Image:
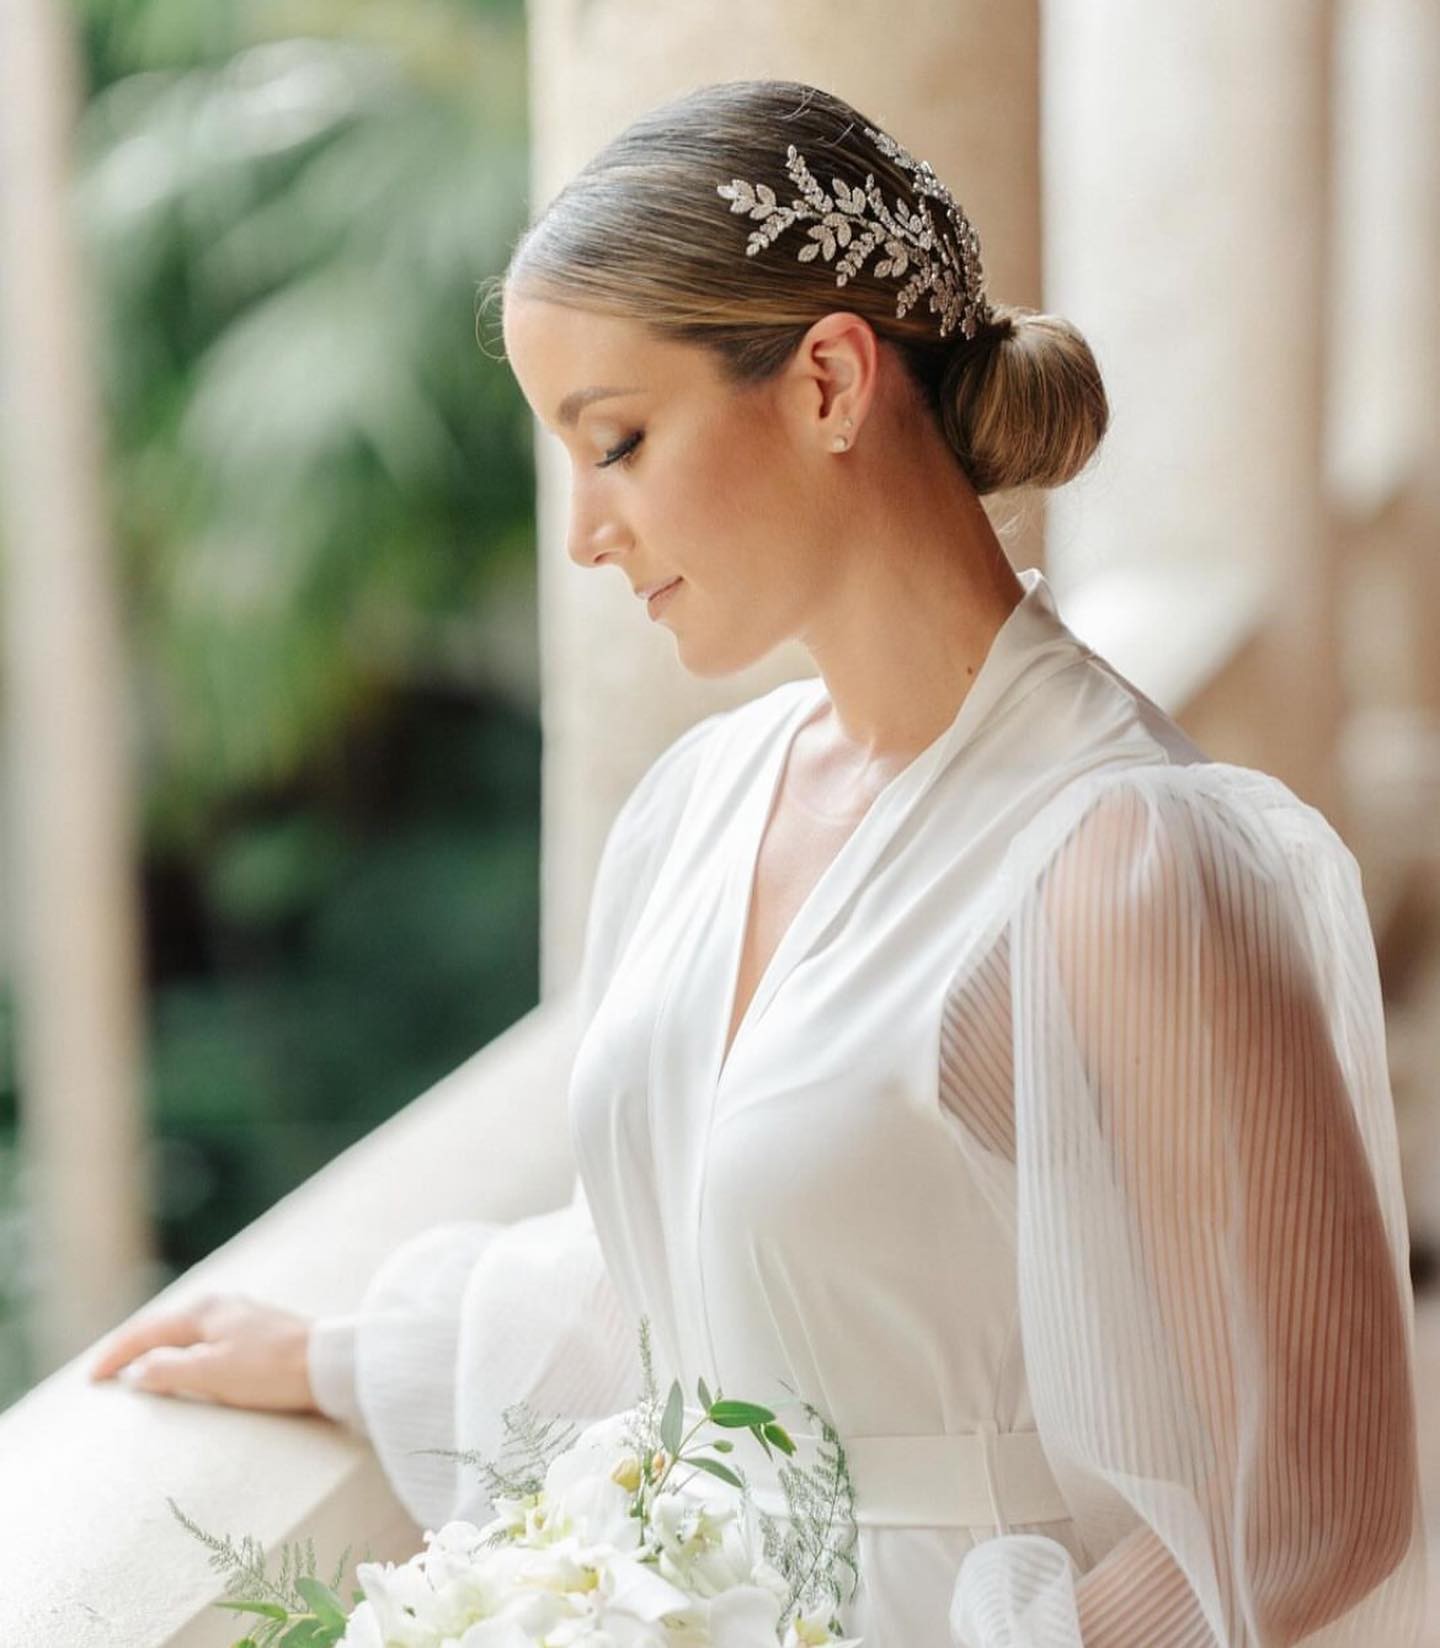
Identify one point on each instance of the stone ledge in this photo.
(93, 1557)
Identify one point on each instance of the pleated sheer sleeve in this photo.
(1169, 1068)
(470, 1316)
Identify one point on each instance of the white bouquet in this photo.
(631, 1535)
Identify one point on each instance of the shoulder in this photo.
(649, 818)
(663, 785)
(1144, 847)
(632, 850)
(653, 806)
(1209, 899)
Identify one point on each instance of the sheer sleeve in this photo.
(1212, 1256)
(468, 1317)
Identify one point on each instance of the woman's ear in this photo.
(837, 365)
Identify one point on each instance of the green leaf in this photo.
(704, 1393)
(721, 1445)
(270, 1610)
(715, 1468)
(308, 1633)
(740, 1415)
(324, 1604)
(780, 1437)
(670, 1424)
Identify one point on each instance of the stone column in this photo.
(1394, 320)
(71, 881)
(958, 85)
(1384, 436)
(1385, 425)
(1186, 214)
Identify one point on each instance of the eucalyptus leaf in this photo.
(670, 1424)
(780, 1437)
(715, 1468)
(740, 1415)
(324, 1604)
(704, 1393)
(309, 1633)
(270, 1610)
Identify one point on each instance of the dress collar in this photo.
(1029, 647)
(1031, 644)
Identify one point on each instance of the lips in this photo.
(654, 589)
(657, 602)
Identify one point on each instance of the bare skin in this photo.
(879, 559)
(222, 1348)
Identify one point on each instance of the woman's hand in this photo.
(221, 1348)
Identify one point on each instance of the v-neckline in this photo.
(753, 838)
(1031, 628)
(772, 786)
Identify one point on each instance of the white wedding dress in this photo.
(1054, 1160)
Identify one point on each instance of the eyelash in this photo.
(623, 453)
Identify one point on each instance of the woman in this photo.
(963, 1048)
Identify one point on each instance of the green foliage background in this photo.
(321, 487)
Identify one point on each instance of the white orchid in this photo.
(627, 1538)
(575, 1569)
(703, 1548)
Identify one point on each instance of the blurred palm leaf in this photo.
(290, 218)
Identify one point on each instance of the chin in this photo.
(713, 662)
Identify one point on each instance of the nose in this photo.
(594, 535)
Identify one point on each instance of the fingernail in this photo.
(133, 1373)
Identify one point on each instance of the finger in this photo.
(177, 1327)
(173, 1371)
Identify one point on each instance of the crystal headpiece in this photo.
(941, 260)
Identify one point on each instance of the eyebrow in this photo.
(577, 400)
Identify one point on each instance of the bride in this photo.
(963, 1047)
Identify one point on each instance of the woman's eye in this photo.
(621, 453)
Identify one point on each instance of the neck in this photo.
(923, 588)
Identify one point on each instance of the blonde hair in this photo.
(640, 233)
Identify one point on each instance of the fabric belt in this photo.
(985, 1478)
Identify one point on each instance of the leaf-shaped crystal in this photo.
(857, 217)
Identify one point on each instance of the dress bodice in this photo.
(1053, 1160)
(810, 1193)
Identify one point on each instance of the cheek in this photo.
(717, 502)
(735, 473)
(701, 495)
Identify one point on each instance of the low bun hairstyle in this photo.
(1026, 409)
(640, 233)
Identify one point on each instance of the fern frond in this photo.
(816, 1544)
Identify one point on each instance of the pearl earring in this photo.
(840, 442)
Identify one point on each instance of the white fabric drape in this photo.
(1169, 1070)
(1162, 1058)
(466, 1318)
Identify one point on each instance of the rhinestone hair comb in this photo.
(941, 261)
